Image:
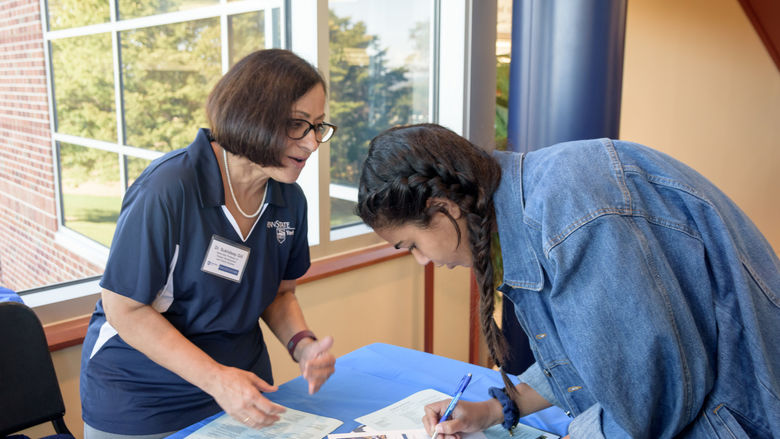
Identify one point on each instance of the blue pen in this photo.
(461, 388)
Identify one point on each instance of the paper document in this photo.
(407, 414)
(399, 434)
(293, 424)
(522, 431)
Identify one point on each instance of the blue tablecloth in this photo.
(378, 375)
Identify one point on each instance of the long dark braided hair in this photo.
(406, 166)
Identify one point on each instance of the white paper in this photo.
(396, 434)
(293, 424)
(521, 431)
(407, 414)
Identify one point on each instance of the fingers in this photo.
(318, 370)
(315, 384)
(317, 363)
(325, 343)
(432, 415)
(240, 394)
(262, 413)
(453, 428)
(318, 347)
(262, 385)
(258, 418)
(447, 430)
(268, 407)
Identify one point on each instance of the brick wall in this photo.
(28, 219)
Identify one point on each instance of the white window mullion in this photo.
(118, 105)
(224, 33)
(231, 8)
(309, 22)
(52, 114)
(283, 25)
(108, 146)
(434, 48)
(453, 51)
(268, 28)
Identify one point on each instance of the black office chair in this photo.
(29, 391)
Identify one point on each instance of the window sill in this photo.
(69, 333)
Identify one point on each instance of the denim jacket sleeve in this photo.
(588, 424)
(534, 377)
(628, 328)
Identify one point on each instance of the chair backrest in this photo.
(29, 390)
(9, 295)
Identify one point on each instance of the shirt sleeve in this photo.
(534, 377)
(628, 327)
(587, 425)
(143, 246)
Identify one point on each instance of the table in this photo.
(377, 375)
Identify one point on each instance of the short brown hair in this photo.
(250, 106)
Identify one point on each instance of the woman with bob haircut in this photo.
(651, 302)
(210, 239)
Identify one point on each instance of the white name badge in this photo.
(225, 259)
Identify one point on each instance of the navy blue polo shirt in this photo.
(168, 218)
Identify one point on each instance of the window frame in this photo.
(70, 239)
(450, 45)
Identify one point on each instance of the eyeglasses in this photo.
(299, 128)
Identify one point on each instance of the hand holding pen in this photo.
(448, 412)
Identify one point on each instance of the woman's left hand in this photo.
(317, 363)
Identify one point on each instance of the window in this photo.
(131, 84)
(381, 59)
(129, 81)
(380, 76)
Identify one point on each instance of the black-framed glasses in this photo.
(299, 128)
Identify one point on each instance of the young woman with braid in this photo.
(652, 303)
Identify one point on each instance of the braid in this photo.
(407, 166)
(480, 231)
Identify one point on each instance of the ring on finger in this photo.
(246, 420)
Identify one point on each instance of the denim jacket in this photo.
(651, 301)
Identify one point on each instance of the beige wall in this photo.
(699, 85)
(378, 303)
(382, 303)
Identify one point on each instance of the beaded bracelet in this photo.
(511, 413)
(293, 343)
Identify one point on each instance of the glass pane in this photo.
(64, 14)
(342, 213)
(84, 86)
(134, 167)
(167, 73)
(135, 8)
(247, 34)
(380, 76)
(503, 57)
(276, 31)
(91, 192)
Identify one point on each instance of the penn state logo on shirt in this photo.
(283, 229)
